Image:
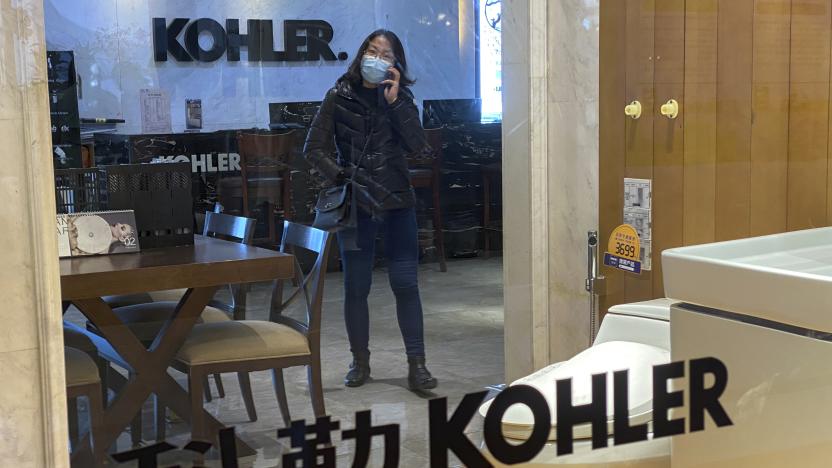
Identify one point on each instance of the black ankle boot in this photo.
(359, 372)
(418, 376)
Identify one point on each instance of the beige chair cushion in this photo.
(242, 340)
(80, 368)
(143, 298)
(145, 320)
(212, 315)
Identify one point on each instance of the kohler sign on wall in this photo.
(115, 54)
(311, 46)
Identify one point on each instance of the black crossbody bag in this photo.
(337, 206)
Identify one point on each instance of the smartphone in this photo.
(389, 75)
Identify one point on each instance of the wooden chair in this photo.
(253, 345)
(145, 319)
(490, 173)
(265, 182)
(426, 172)
(82, 380)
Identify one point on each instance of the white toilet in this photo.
(635, 337)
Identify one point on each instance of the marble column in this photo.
(572, 109)
(550, 165)
(33, 395)
(523, 353)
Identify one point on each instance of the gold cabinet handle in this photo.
(670, 109)
(633, 110)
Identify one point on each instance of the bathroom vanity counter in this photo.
(784, 278)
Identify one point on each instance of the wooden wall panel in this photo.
(770, 126)
(640, 68)
(699, 202)
(808, 114)
(733, 138)
(613, 93)
(751, 152)
(668, 134)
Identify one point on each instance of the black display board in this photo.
(299, 114)
(439, 112)
(63, 108)
(213, 156)
(467, 148)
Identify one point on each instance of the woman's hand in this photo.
(391, 90)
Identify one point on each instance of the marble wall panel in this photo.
(550, 124)
(517, 252)
(573, 59)
(33, 430)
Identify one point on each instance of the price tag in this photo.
(624, 249)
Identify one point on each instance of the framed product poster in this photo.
(638, 201)
(193, 114)
(155, 108)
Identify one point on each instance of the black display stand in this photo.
(63, 108)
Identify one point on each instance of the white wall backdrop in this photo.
(113, 45)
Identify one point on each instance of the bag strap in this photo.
(353, 206)
(361, 156)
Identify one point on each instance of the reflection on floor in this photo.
(464, 336)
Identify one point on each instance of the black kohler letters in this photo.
(448, 434)
(570, 415)
(304, 40)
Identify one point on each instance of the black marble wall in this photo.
(469, 147)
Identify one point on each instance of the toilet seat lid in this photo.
(607, 357)
(658, 309)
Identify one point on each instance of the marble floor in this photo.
(464, 336)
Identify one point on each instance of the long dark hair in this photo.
(353, 73)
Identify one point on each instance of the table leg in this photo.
(149, 366)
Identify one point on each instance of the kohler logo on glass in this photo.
(212, 162)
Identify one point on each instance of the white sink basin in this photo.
(785, 278)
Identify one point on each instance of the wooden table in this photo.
(201, 268)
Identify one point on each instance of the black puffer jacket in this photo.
(340, 132)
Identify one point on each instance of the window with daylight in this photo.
(490, 59)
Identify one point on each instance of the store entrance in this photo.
(255, 111)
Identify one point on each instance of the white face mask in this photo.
(374, 69)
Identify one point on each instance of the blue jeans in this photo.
(402, 251)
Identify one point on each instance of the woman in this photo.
(366, 125)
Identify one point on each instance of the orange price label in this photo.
(624, 243)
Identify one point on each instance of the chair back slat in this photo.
(305, 237)
(434, 139)
(310, 285)
(229, 227)
(431, 157)
(262, 151)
